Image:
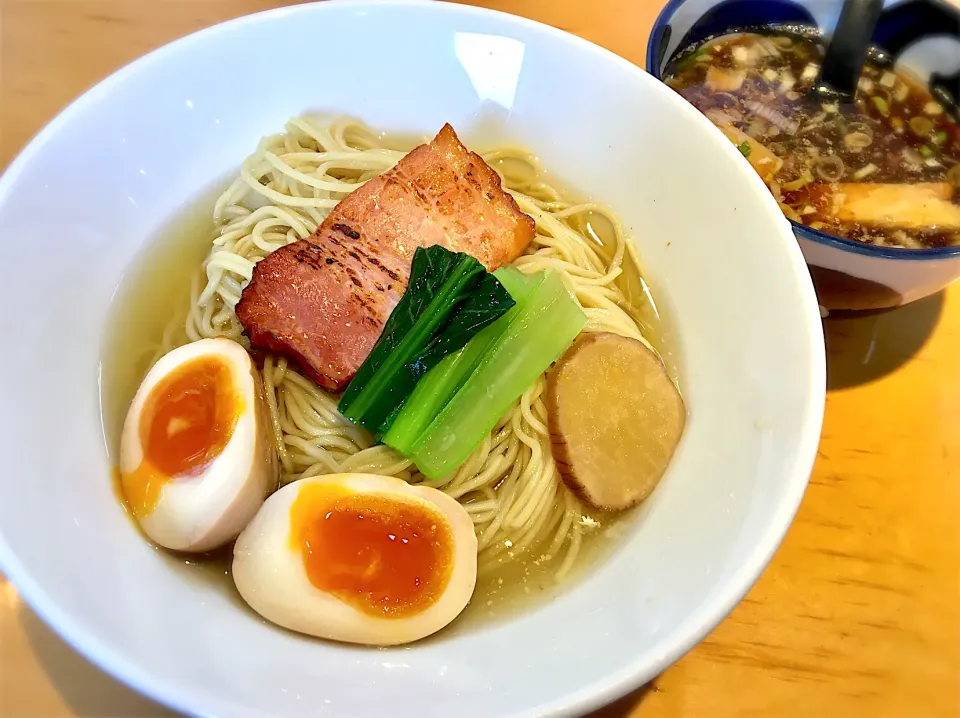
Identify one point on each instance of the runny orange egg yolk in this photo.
(185, 423)
(386, 557)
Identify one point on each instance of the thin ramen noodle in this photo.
(509, 485)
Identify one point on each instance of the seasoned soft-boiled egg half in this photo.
(358, 558)
(196, 455)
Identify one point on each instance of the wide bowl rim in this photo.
(805, 232)
(630, 676)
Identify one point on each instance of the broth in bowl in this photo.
(884, 171)
(401, 382)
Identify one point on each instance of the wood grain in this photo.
(859, 611)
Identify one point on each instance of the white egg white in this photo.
(270, 575)
(206, 510)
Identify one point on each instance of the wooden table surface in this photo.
(859, 612)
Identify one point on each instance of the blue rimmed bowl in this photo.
(924, 37)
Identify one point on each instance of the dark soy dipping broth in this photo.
(153, 298)
(828, 159)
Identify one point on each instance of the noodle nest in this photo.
(509, 486)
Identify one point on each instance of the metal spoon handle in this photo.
(848, 46)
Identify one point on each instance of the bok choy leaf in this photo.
(439, 385)
(449, 299)
(543, 326)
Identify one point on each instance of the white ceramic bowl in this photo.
(80, 202)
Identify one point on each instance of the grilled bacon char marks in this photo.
(323, 301)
